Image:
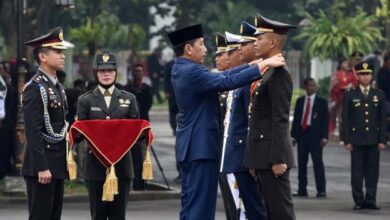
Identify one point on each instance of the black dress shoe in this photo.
(300, 194)
(372, 206)
(358, 207)
(321, 195)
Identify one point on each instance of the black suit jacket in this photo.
(39, 154)
(91, 106)
(268, 136)
(11, 109)
(144, 96)
(319, 119)
(364, 118)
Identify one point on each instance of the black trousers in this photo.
(156, 88)
(137, 155)
(277, 195)
(115, 210)
(6, 150)
(251, 196)
(364, 167)
(44, 200)
(306, 146)
(228, 201)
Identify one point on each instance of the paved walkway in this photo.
(338, 204)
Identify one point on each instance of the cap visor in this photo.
(243, 40)
(231, 49)
(106, 67)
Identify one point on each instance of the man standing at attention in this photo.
(310, 131)
(44, 107)
(269, 148)
(364, 128)
(198, 132)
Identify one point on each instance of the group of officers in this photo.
(252, 144)
(246, 141)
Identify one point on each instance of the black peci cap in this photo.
(186, 34)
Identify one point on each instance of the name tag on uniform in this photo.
(355, 100)
(52, 97)
(96, 109)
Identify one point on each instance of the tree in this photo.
(336, 36)
(225, 16)
(106, 31)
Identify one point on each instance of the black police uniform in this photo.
(364, 126)
(91, 106)
(44, 107)
(269, 141)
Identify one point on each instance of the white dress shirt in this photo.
(312, 97)
(107, 99)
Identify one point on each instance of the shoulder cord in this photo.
(51, 136)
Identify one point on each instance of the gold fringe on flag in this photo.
(71, 164)
(72, 167)
(110, 187)
(147, 171)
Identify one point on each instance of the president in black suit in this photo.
(107, 102)
(269, 148)
(310, 131)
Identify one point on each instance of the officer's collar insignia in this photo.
(375, 98)
(365, 66)
(105, 57)
(127, 101)
(121, 101)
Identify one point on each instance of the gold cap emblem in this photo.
(241, 29)
(256, 21)
(61, 35)
(105, 57)
(365, 66)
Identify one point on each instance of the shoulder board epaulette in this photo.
(90, 91)
(35, 80)
(126, 92)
